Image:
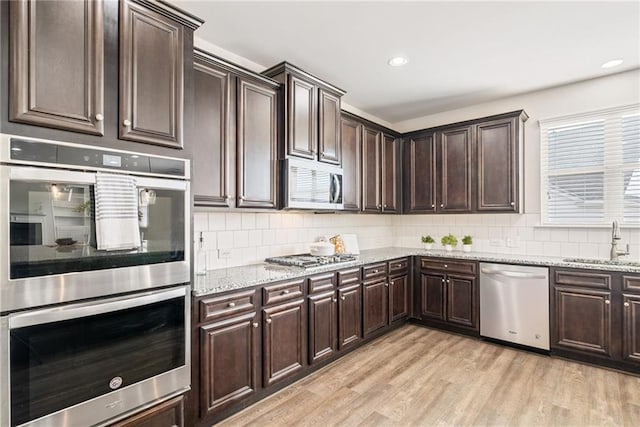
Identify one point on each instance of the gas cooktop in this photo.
(308, 261)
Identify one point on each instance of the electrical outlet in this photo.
(224, 253)
(496, 242)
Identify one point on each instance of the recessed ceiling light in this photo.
(398, 61)
(612, 63)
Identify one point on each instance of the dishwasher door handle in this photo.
(516, 274)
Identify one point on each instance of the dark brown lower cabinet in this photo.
(349, 315)
(284, 341)
(631, 327)
(461, 301)
(166, 414)
(375, 305)
(433, 295)
(322, 326)
(229, 363)
(398, 297)
(583, 320)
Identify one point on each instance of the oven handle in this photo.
(57, 314)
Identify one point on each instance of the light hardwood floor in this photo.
(416, 376)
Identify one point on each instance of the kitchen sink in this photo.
(602, 261)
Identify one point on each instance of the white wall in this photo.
(251, 237)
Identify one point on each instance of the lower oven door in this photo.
(83, 364)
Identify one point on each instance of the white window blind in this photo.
(590, 168)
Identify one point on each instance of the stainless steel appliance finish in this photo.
(40, 162)
(312, 185)
(145, 351)
(514, 304)
(308, 261)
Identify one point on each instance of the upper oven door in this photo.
(58, 260)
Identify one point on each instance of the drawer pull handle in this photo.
(374, 271)
(269, 320)
(445, 266)
(231, 304)
(285, 292)
(254, 324)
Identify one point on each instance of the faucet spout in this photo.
(615, 236)
(615, 232)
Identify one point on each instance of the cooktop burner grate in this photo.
(307, 260)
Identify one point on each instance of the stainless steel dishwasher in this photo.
(514, 304)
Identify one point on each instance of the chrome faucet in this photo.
(615, 236)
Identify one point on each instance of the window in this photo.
(590, 168)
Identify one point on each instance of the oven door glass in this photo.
(58, 364)
(57, 232)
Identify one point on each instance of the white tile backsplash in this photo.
(251, 237)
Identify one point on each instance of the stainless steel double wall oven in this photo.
(88, 335)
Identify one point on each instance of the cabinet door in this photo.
(229, 354)
(284, 341)
(301, 115)
(323, 326)
(256, 145)
(209, 137)
(583, 320)
(420, 174)
(462, 301)
(375, 305)
(398, 298)
(371, 170)
(351, 163)
(329, 128)
(166, 414)
(455, 170)
(151, 76)
(497, 176)
(390, 174)
(56, 64)
(349, 315)
(433, 295)
(631, 327)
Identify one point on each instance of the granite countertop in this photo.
(226, 279)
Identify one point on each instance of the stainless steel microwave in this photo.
(312, 185)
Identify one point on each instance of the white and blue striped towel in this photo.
(116, 198)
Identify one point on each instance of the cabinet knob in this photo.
(386, 285)
(607, 301)
(442, 205)
(322, 153)
(241, 197)
(99, 117)
(626, 304)
(254, 324)
(268, 320)
(445, 266)
(374, 271)
(442, 280)
(127, 122)
(384, 206)
(334, 300)
(231, 304)
(379, 206)
(343, 297)
(448, 281)
(512, 203)
(285, 292)
(433, 205)
(392, 283)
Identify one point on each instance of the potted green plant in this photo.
(449, 242)
(428, 242)
(467, 241)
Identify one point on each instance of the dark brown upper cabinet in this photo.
(233, 143)
(151, 76)
(257, 144)
(473, 166)
(454, 160)
(351, 139)
(380, 172)
(499, 162)
(56, 68)
(310, 115)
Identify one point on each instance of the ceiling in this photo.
(460, 53)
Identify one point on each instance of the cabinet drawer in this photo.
(282, 291)
(226, 306)
(322, 282)
(631, 283)
(583, 279)
(374, 270)
(349, 277)
(448, 265)
(398, 266)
